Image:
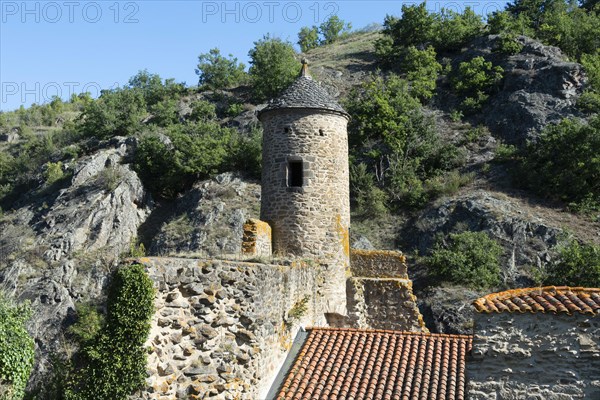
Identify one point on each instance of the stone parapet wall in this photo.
(256, 240)
(384, 304)
(223, 328)
(535, 356)
(378, 264)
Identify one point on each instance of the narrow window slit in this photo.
(295, 173)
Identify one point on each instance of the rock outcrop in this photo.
(209, 218)
(540, 87)
(58, 249)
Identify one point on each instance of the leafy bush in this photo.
(471, 259)
(192, 151)
(308, 38)
(203, 111)
(370, 201)
(422, 71)
(565, 161)
(53, 173)
(508, 44)
(453, 30)
(16, 349)
(88, 324)
(115, 362)
(476, 79)
(116, 113)
(165, 112)
(218, 72)
(274, 67)
(153, 89)
(577, 264)
(445, 31)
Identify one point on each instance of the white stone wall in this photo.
(535, 356)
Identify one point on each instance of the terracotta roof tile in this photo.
(346, 364)
(554, 299)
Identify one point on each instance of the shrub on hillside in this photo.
(422, 71)
(471, 259)
(577, 264)
(399, 146)
(564, 162)
(475, 80)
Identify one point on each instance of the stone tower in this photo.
(305, 178)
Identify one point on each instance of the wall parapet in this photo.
(378, 264)
(257, 239)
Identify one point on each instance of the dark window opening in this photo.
(321, 132)
(286, 129)
(295, 174)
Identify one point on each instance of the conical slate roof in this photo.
(304, 92)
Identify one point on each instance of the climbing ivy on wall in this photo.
(115, 362)
(16, 349)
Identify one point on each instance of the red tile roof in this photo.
(376, 364)
(554, 299)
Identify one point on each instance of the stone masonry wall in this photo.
(223, 328)
(375, 303)
(311, 220)
(256, 240)
(378, 264)
(535, 356)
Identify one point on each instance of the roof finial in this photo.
(304, 71)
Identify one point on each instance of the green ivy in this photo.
(16, 349)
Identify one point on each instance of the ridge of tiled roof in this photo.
(553, 299)
(304, 92)
(343, 363)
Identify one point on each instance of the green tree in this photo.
(16, 349)
(422, 71)
(416, 26)
(308, 38)
(471, 259)
(333, 29)
(274, 67)
(217, 72)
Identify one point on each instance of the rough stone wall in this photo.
(223, 328)
(375, 303)
(311, 220)
(378, 264)
(256, 240)
(535, 356)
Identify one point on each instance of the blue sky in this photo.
(67, 46)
